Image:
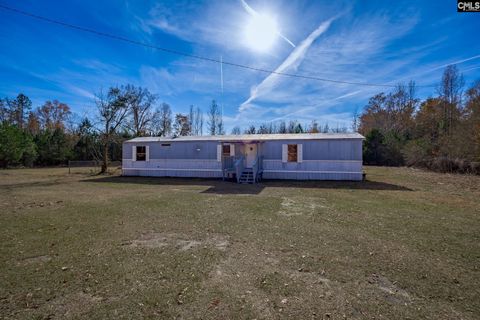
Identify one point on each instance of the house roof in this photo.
(254, 137)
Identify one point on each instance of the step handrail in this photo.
(257, 167)
(239, 167)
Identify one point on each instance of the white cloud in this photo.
(80, 91)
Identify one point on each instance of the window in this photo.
(226, 150)
(141, 153)
(292, 152)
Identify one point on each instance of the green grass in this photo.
(404, 244)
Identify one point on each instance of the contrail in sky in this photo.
(313, 107)
(293, 60)
(254, 13)
(438, 67)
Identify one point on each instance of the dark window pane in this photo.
(141, 153)
(226, 150)
(292, 153)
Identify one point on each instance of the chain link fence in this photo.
(90, 166)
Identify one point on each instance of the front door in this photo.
(250, 154)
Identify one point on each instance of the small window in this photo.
(226, 150)
(292, 152)
(166, 144)
(141, 153)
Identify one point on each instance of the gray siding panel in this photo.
(317, 149)
(311, 165)
(176, 150)
(204, 164)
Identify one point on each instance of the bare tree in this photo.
(215, 121)
(140, 103)
(220, 127)
(236, 130)
(295, 127)
(272, 128)
(251, 130)
(451, 91)
(199, 121)
(313, 127)
(181, 127)
(163, 120)
(355, 120)
(263, 129)
(266, 128)
(112, 109)
(339, 129)
(212, 118)
(282, 127)
(196, 121)
(52, 115)
(190, 118)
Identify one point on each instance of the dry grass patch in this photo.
(404, 244)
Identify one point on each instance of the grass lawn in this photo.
(403, 245)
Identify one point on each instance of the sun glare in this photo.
(261, 32)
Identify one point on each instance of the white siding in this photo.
(219, 152)
(284, 152)
(134, 153)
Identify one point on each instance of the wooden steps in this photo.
(247, 176)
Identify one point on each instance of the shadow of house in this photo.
(214, 185)
(226, 187)
(325, 184)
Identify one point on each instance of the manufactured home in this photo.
(247, 158)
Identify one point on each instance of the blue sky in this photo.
(358, 41)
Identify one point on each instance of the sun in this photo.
(261, 32)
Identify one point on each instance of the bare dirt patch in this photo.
(154, 240)
(35, 260)
(72, 305)
(38, 205)
(184, 245)
(149, 240)
(394, 293)
(300, 206)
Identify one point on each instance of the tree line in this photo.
(47, 135)
(441, 133)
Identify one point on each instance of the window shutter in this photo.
(147, 153)
(134, 153)
(284, 152)
(219, 152)
(299, 152)
(232, 150)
